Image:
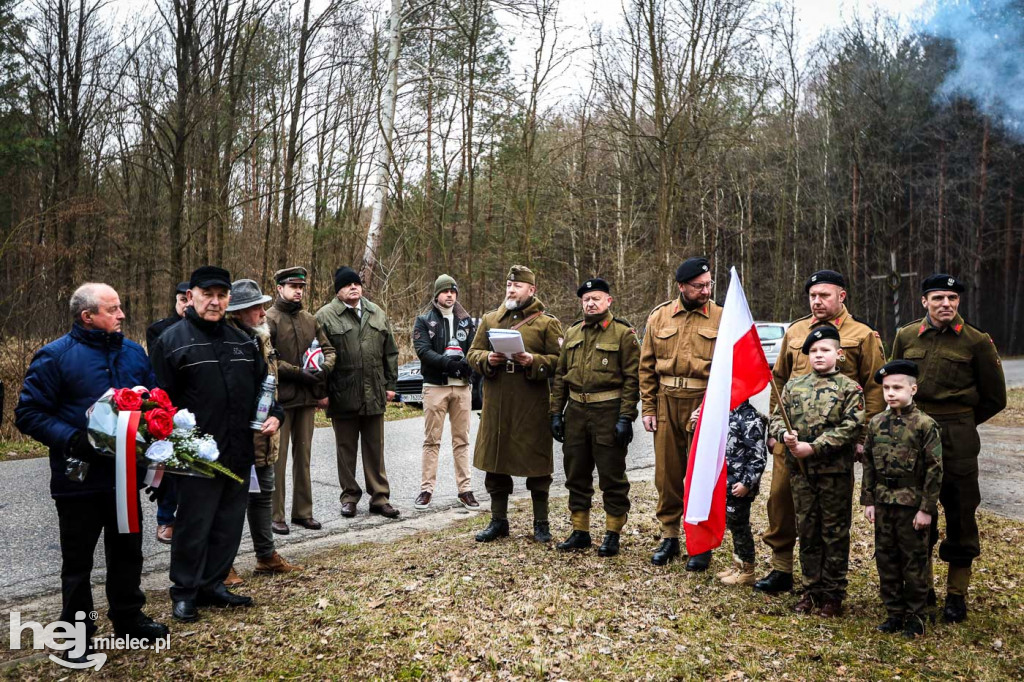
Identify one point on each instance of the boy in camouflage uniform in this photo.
(899, 491)
(745, 455)
(826, 411)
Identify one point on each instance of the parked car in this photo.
(410, 385)
(771, 334)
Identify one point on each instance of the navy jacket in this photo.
(65, 378)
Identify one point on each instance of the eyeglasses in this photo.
(707, 286)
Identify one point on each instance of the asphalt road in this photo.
(30, 550)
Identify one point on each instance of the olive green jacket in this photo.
(366, 359)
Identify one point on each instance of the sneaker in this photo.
(469, 501)
(423, 501)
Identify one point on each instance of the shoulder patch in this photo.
(575, 324)
(980, 331)
(800, 319)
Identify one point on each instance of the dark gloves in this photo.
(79, 448)
(558, 427)
(155, 494)
(623, 431)
(459, 369)
(311, 375)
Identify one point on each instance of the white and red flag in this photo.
(739, 371)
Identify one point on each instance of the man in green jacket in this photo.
(364, 379)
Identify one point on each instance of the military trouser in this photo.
(824, 509)
(737, 520)
(781, 533)
(671, 449)
(901, 555)
(499, 487)
(297, 430)
(590, 442)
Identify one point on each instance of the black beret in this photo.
(826, 331)
(596, 284)
(210, 276)
(906, 367)
(940, 281)
(344, 276)
(692, 267)
(825, 277)
(181, 288)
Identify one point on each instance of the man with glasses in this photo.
(675, 361)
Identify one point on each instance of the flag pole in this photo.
(785, 418)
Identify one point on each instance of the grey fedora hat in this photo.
(245, 293)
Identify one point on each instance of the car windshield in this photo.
(770, 332)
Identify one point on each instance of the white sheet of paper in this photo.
(506, 341)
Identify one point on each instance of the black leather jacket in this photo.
(429, 340)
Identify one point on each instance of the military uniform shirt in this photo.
(902, 460)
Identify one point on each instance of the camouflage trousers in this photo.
(737, 520)
(901, 555)
(824, 509)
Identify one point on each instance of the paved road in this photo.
(30, 551)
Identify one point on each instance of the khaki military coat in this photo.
(515, 430)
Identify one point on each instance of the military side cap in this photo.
(940, 281)
(521, 273)
(825, 277)
(209, 276)
(818, 334)
(906, 367)
(296, 275)
(595, 284)
(692, 267)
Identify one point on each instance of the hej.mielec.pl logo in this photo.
(74, 639)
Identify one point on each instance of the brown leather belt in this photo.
(597, 397)
(683, 382)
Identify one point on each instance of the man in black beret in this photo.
(675, 362)
(859, 358)
(960, 385)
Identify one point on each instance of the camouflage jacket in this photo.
(827, 411)
(745, 450)
(902, 460)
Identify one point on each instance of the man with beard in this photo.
(675, 362)
(513, 439)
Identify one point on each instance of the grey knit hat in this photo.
(444, 283)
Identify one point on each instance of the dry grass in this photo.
(440, 606)
(394, 412)
(1013, 415)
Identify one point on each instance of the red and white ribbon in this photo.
(125, 486)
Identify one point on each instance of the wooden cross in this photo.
(894, 279)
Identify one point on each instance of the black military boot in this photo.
(913, 627)
(699, 562)
(892, 625)
(955, 610)
(610, 544)
(497, 528)
(666, 552)
(775, 582)
(579, 539)
(542, 531)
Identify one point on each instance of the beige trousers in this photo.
(456, 402)
(296, 429)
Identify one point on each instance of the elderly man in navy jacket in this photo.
(65, 378)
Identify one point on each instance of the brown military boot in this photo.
(233, 578)
(275, 563)
(832, 608)
(806, 603)
(734, 567)
(744, 575)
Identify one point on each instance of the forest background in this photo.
(139, 140)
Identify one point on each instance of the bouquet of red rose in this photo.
(145, 422)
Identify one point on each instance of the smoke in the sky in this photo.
(989, 39)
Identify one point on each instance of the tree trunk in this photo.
(293, 138)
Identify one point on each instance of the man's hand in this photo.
(390, 395)
(460, 369)
(739, 490)
(270, 426)
(694, 416)
(858, 454)
(623, 431)
(323, 403)
(495, 359)
(311, 374)
(772, 442)
(80, 448)
(802, 450)
(558, 427)
(650, 423)
(790, 439)
(922, 520)
(155, 494)
(869, 513)
(524, 359)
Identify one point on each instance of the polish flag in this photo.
(739, 371)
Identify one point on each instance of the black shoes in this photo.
(221, 598)
(891, 626)
(699, 562)
(578, 540)
(955, 610)
(184, 610)
(385, 510)
(775, 582)
(666, 552)
(542, 531)
(914, 627)
(84, 658)
(141, 627)
(497, 528)
(610, 545)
